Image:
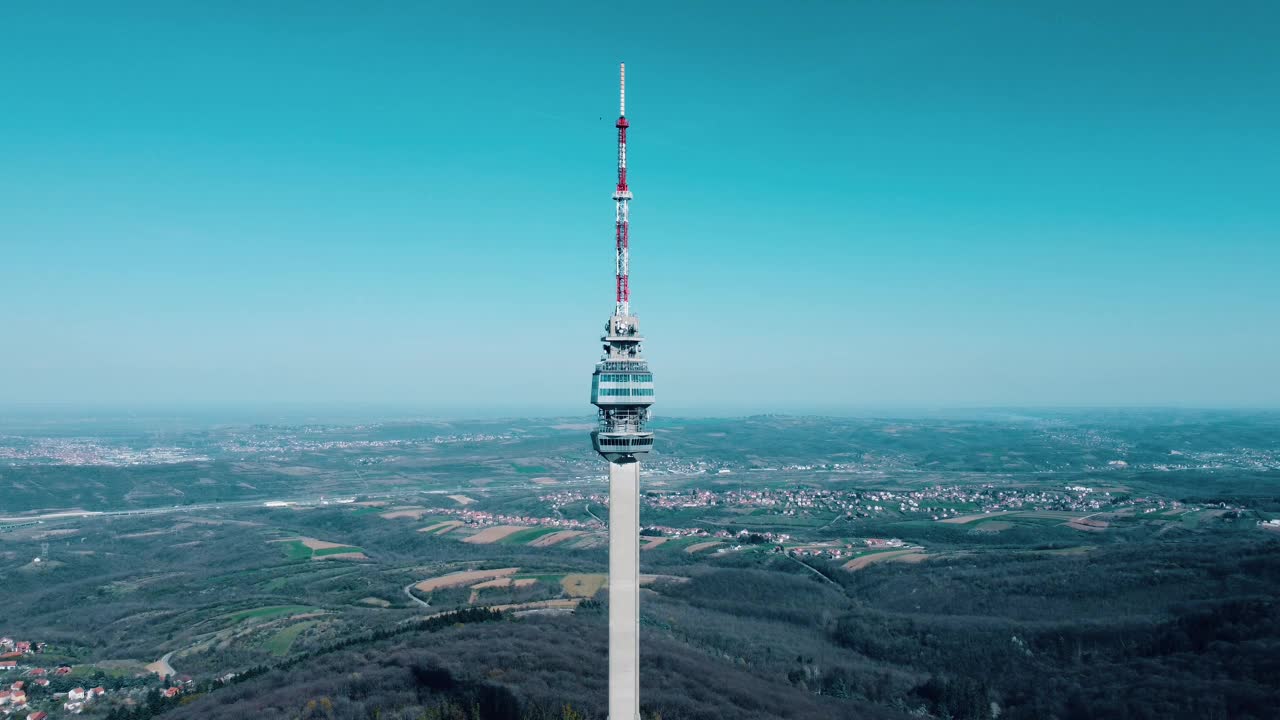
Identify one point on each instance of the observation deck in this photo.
(622, 389)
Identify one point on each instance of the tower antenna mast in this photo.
(622, 199)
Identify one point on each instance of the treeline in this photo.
(1159, 631)
(523, 669)
(156, 704)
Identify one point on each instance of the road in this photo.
(162, 667)
(809, 567)
(408, 591)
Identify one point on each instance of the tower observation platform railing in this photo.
(623, 366)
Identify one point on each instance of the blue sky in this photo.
(838, 205)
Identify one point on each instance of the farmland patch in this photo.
(466, 577)
(493, 534)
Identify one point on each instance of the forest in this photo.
(1134, 630)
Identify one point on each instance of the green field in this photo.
(750, 521)
(679, 543)
(337, 550)
(530, 469)
(550, 579)
(273, 611)
(280, 643)
(298, 550)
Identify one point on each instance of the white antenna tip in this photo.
(622, 89)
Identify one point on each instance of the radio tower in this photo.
(622, 389)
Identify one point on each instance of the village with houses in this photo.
(35, 689)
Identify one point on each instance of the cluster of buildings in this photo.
(587, 466)
(10, 648)
(66, 451)
(483, 518)
(840, 549)
(78, 698)
(15, 698)
(1239, 458)
(289, 444)
(938, 502)
(741, 536)
(559, 499)
(13, 651)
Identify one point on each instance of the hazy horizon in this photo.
(18, 414)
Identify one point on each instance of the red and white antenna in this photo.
(622, 197)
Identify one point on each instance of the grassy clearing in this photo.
(583, 584)
(900, 555)
(530, 469)
(412, 513)
(296, 550)
(649, 543)
(555, 538)
(307, 549)
(273, 611)
(1078, 550)
(337, 550)
(280, 643)
(550, 579)
(992, 526)
(1195, 518)
(121, 668)
(783, 520)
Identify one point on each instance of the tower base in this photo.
(624, 591)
